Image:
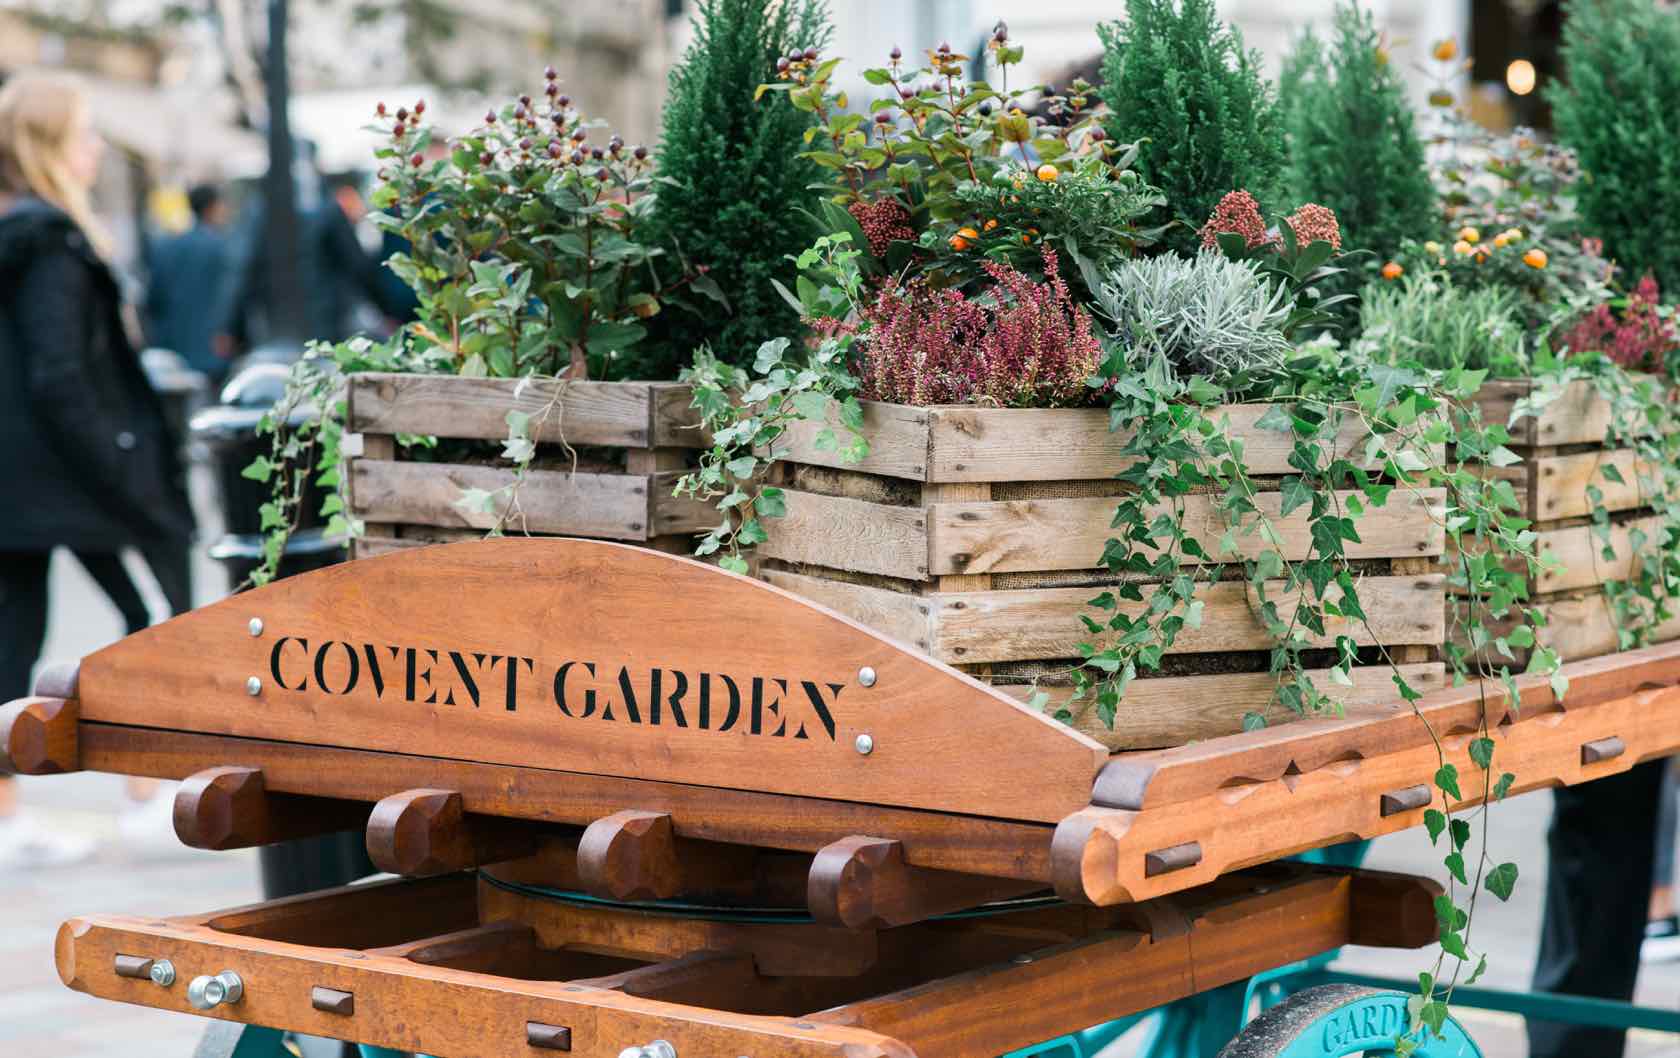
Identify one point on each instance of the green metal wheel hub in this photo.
(1343, 1021)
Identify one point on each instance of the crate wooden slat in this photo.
(976, 535)
(1564, 452)
(409, 503)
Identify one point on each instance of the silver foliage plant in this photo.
(1203, 315)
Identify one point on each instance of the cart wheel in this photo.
(1341, 1021)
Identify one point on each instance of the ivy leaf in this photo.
(1503, 786)
(1455, 864)
(1296, 493)
(751, 532)
(771, 503)
(1481, 751)
(1460, 833)
(1452, 942)
(734, 564)
(260, 469)
(742, 467)
(1502, 880)
(1434, 821)
(1253, 722)
(1433, 1015)
(1277, 418)
(1446, 777)
(1476, 975)
(1611, 473)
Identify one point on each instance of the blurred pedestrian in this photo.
(86, 456)
(334, 271)
(186, 273)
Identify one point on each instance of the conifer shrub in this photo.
(1620, 110)
(733, 191)
(1352, 144)
(1178, 78)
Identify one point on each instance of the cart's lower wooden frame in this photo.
(445, 966)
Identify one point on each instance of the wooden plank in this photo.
(1033, 623)
(1109, 974)
(970, 844)
(600, 505)
(410, 1006)
(1064, 444)
(1055, 534)
(1577, 415)
(897, 435)
(1160, 711)
(1585, 627)
(1560, 483)
(676, 422)
(897, 615)
(588, 656)
(1100, 854)
(589, 413)
(1579, 554)
(1139, 781)
(849, 534)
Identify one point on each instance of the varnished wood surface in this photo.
(1102, 854)
(969, 844)
(958, 988)
(1162, 777)
(941, 740)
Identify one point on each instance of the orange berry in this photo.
(989, 225)
(968, 233)
(1048, 173)
(1462, 248)
(958, 242)
(1470, 235)
(1446, 50)
(1392, 270)
(1026, 240)
(1535, 258)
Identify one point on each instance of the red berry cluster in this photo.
(884, 222)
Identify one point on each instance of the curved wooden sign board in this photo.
(593, 657)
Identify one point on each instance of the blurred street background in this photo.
(179, 92)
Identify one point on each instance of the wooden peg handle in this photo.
(427, 831)
(231, 808)
(630, 855)
(38, 737)
(864, 883)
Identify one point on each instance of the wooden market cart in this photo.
(645, 807)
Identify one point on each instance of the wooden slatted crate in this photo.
(975, 535)
(1564, 450)
(631, 441)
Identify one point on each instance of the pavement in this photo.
(40, 1018)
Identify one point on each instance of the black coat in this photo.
(86, 458)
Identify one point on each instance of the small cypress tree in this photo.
(733, 187)
(1352, 142)
(1620, 110)
(1175, 75)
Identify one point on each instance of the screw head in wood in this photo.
(866, 676)
(865, 744)
(256, 626)
(253, 686)
(163, 973)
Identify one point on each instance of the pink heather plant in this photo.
(1020, 344)
(1237, 213)
(1640, 339)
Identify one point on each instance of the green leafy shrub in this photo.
(1427, 319)
(1352, 143)
(1619, 111)
(731, 182)
(1203, 315)
(1177, 77)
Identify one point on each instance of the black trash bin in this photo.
(228, 433)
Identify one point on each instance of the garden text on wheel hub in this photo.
(620, 827)
(1342, 1021)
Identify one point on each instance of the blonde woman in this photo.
(86, 460)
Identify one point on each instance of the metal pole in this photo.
(285, 296)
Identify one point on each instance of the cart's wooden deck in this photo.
(567, 682)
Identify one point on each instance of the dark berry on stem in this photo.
(555, 150)
(882, 117)
(782, 65)
(602, 175)
(640, 153)
(420, 107)
(577, 157)
(810, 55)
(416, 161)
(402, 113)
(551, 73)
(896, 54)
(525, 100)
(525, 143)
(380, 110)
(1001, 32)
(397, 130)
(596, 153)
(564, 100)
(489, 117)
(552, 89)
(486, 158)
